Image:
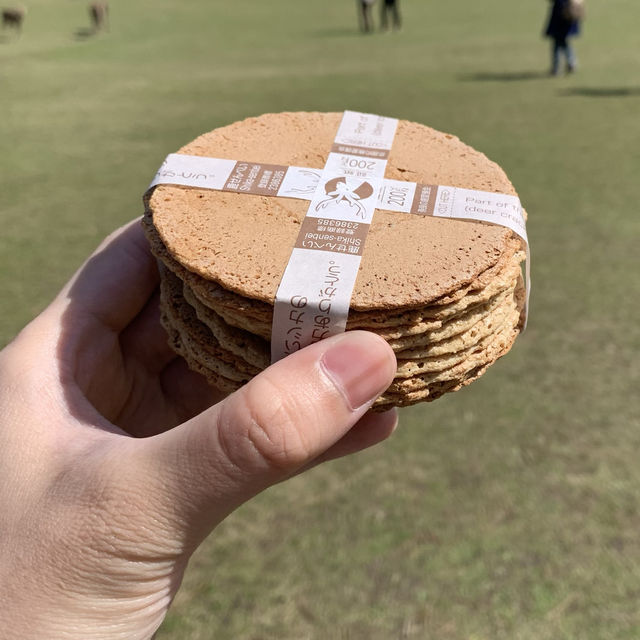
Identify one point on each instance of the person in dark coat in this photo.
(389, 7)
(560, 28)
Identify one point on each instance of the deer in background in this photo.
(99, 13)
(13, 17)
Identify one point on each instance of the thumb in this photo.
(297, 411)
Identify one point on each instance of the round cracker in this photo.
(243, 242)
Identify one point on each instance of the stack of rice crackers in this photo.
(447, 295)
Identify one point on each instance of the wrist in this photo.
(39, 606)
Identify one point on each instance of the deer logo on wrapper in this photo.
(346, 190)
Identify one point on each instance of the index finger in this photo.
(114, 284)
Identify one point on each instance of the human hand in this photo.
(114, 465)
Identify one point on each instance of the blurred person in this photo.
(99, 15)
(116, 462)
(563, 23)
(390, 7)
(364, 15)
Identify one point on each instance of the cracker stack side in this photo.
(446, 295)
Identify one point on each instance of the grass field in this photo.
(507, 511)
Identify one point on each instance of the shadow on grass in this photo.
(601, 92)
(502, 76)
(336, 32)
(84, 33)
(5, 39)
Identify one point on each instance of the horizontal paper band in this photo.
(259, 179)
(302, 183)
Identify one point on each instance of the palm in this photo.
(115, 352)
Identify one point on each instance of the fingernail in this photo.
(361, 365)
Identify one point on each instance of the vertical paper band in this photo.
(312, 301)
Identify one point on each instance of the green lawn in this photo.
(507, 511)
